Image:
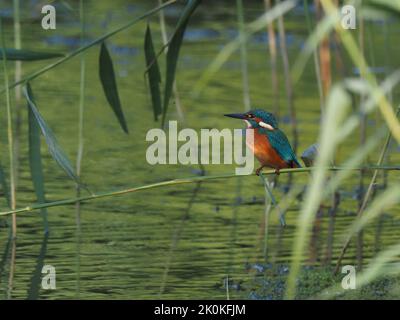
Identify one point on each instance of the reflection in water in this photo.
(36, 280)
(11, 269)
(176, 237)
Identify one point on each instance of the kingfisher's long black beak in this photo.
(236, 115)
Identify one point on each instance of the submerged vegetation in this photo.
(322, 224)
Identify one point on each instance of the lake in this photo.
(177, 242)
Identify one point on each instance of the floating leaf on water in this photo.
(35, 158)
(54, 148)
(173, 52)
(28, 55)
(107, 77)
(153, 73)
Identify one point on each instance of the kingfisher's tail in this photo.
(295, 163)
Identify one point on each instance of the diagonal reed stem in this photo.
(179, 182)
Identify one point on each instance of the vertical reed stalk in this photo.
(82, 95)
(17, 77)
(164, 36)
(273, 59)
(10, 134)
(331, 227)
(338, 51)
(243, 56)
(367, 195)
(317, 68)
(79, 157)
(288, 80)
(324, 56)
(363, 134)
(325, 76)
(388, 49)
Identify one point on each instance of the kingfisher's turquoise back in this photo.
(280, 143)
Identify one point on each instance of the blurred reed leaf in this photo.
(336, 111)
(54, 148)
(380, 9)
(67, 6)
(28, 55)
(389, 198)
(383, 264)
(322, 29)
(107, 77)
(35, 158)
(361, 86)
(360, 62)
(153, 73)
(354, 161)
(174, 47)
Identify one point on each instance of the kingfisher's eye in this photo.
(249, 115)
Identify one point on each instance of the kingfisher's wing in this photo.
(280, 143)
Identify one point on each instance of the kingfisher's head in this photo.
(257, 119)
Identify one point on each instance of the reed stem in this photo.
(243, 56)
(273, 59)
(82, 95)
(17, 77)
(180, 182)
(164, 36)
(366, 197)
(9, 134)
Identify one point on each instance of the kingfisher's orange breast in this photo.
(264, 152)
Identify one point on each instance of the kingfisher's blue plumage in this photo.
(270, 146)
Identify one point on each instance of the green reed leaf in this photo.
(107, 77)
(35, 158)
(153, 73)
(337, 106)
(174, 47)
(54, 148)
(28, 55)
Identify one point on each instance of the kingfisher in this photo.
(270, 145)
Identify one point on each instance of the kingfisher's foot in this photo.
(259, 170)
(277, 172)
